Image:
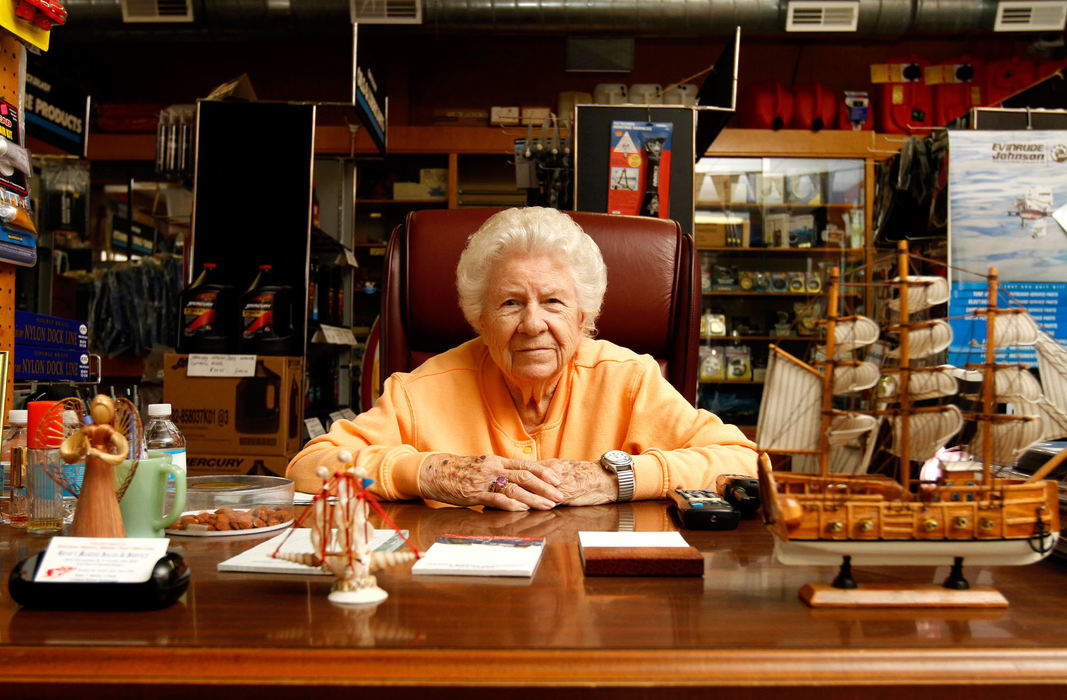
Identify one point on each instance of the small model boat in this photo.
(830, 509)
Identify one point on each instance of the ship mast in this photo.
(905, 366)
(828, 373)
(989, 380)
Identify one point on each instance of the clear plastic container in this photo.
(162, 435)
(14, 436)
(237, 491)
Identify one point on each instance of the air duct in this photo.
(889, 19)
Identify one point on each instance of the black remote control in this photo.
(703, 509)
(742, 492)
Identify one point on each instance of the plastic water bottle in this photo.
(14, 509)
(161, 435)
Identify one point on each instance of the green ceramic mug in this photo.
(142, 505)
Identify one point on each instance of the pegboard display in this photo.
(10, 58)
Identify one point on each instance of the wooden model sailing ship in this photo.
(955, 511)
(341, 535)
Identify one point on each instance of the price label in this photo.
(209, 365)
(337, 336)
(314, 427)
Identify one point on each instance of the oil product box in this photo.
(51, 364)
(235, 404)
(211, 464)
(50, 331)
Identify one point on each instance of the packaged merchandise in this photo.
(209, 314)
(267, 317)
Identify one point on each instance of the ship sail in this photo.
(929, 432)
(1015, 383)
(1052, 364)
(1053, 420)
(858, 377)
(791, 407)
(1016, 329)
(924, 291)
(929, 339)
(851, 334)
(930, 384)
(855, 437)
(1010, 438)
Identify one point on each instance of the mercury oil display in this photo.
(209, 314)
(267, 313)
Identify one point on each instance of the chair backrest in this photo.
(652, 304)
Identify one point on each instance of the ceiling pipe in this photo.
(94, 20)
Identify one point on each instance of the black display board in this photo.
(252, 192)
(592, 129)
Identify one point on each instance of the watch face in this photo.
(616, 458)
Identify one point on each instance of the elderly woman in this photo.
(533, 413)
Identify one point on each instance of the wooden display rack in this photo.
(10, 58)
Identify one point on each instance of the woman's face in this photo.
(531, 322)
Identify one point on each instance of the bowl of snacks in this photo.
(234, 504)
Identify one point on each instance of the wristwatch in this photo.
(621, 465)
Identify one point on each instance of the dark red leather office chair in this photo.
(652, 304)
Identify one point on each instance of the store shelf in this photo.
(334, 139)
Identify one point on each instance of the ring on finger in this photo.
(498, 484)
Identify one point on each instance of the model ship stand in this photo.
(341, 535)
(828, 510)
(954, 592)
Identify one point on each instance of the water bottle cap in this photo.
(17, 416)
(158, 410)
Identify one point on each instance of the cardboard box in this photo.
(51, 364)
(722, 231)
(256, 415)
(710, 235)
(212, 464)
(50, 331)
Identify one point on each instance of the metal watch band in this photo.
(626, 483)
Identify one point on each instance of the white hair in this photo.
(531, 231)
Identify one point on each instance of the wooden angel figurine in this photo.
(102, 447)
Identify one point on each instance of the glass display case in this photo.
(768, 232)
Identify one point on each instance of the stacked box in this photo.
(237, 425)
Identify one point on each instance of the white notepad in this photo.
(463, 555)
(258, 559)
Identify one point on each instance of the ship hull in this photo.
(817, 520)
(914, 552)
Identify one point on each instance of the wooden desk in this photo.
(740, 630)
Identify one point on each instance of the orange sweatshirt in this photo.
(457, 402)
